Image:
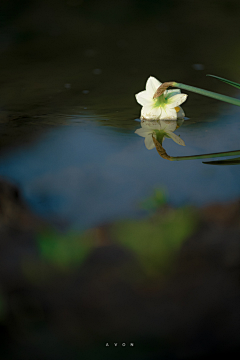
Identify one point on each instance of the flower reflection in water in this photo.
(155, 132)
(158, 130)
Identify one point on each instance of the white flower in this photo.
(160, 129)
(165, 107)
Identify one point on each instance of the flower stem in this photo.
(211, 94)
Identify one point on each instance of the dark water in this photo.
(69, 72)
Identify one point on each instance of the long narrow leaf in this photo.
(229, 82)
(205, 156)
(234, 161)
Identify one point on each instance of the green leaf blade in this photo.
(229, 82)
(234, 161)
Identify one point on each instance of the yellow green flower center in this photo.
(160, 101)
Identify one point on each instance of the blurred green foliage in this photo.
(64, 250)
(154, 240)
(157, 239)
(155, 201)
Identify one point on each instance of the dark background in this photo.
(63, 296)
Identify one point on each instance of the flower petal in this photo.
(151, 125)
(179, 122)
(143, 98)
(149, 142)
(170, 93)
(152, 85)
(150, 113)
(168, 125)
(175, 138)
(168, 114)
(180, 113)
(176, 100)
(142, 132)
